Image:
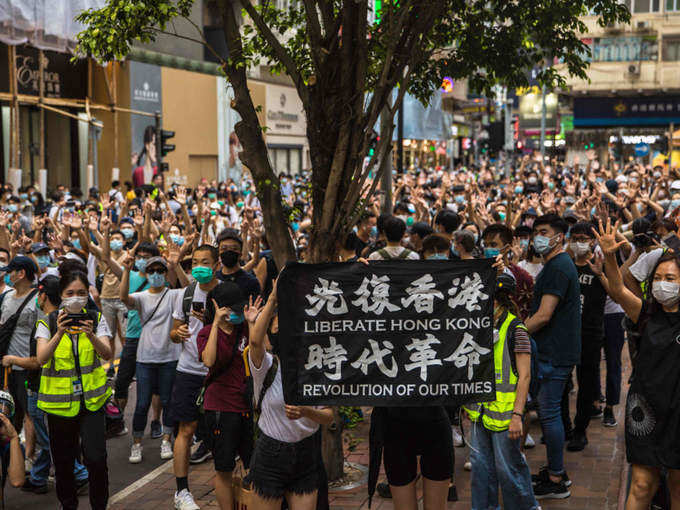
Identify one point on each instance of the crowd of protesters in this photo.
(182, 284)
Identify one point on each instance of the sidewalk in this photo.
(595, 472)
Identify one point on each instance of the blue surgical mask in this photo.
(76, 244)
(116, 245)
(141, 264)
(295, 226)
(34, 199)
(476, 237)
(502, 216)
(23, 196)
(593, 211)
(177, 239)
(438, 256)
(43, 261)
(12, 208)
(675, 203)
(491, 253)
(551, 185)
(459, 199)
(128, 233)
(519, 189)
(156, 279)
(524, 243)
(374, 231)
(542, 245)
(8, 281)
(455, 252)
(235, 318)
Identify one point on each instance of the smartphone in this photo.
(673, 242)
(77, 319)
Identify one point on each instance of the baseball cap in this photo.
(675, 186)
(38, 247)
(50, 286)
(229, 294)
(21, 262)
(157, 260)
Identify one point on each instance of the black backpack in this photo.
(7, 328)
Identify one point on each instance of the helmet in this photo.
(506, 283)
(6, 404)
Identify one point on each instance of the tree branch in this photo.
(187, 38)
(314, 32)
(279, 50)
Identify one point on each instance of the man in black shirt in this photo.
(230, 246)
(594, 288)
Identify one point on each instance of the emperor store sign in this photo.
(28, 77)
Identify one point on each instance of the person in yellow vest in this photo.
(71, 345)
(495, 456)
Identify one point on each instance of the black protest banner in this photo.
(391, 333)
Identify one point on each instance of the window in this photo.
(641, 6)
(672, 5)
(671, 48)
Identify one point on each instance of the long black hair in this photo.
(70, 277)
(149, 133)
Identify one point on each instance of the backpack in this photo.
(533, 386)
(187, 300)
(402, 256)
(7, 328)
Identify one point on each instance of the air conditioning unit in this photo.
(634, 70)
(613, 28)
(643, 26)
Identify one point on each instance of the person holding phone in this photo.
(73, 390)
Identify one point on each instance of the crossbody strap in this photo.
(268, 381)
(156, 309)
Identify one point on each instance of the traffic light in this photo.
(373, 143)
(162, 147)
(590, 145)
(166, 147)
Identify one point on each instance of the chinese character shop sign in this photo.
(392, 333)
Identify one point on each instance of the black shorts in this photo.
(404, 441)
(229, 434)
(277, 467)
(185, 391)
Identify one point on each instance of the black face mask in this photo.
(230, 258)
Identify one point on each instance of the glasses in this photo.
(156, 271)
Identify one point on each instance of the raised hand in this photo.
(252, 310)
(220, 313)
(607, 239)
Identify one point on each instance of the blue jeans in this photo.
(497, 459)
(152, 376)
(41, 466)
(552, 380)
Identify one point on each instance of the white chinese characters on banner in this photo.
(423, 355)
(377, 355)
(468, 353)
(329, 295)
(467, 293)
(422, 294)
(376, 300)
(331, 357)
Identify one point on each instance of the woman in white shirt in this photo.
(284, 462)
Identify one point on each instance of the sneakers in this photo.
(383, 490)
(608, 419)
(468, 465)
(457, 437)
(529, 442)
(551, 490)
(201, 454)
(29, 486)
(123, 432)
(28, 464)
(596, 412)
(135, 453)
(577, 443)
(156, 430)
(166, 450)
(542, 476)
(185, 501)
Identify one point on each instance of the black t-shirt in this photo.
(246, 282)
(360, 245)
(593, 299)
(559, 342)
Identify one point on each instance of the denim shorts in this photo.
(277, 467)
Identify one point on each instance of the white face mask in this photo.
(74, 304)
(579, 249)
(666, 293)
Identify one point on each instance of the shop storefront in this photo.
(286, 134)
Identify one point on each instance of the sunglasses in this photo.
(157, 271)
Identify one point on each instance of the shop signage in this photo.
(641, 150)
(394, 333)
(530, 111)
(631, 111)
(61, 77)
(284, 111)
(622, 49)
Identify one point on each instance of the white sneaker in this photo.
(529, 442)
(135, 453)
(457, 437)
(185, 501)
(468, 465)
(166, 450)
(28, 464)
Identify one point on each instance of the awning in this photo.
(161, 59)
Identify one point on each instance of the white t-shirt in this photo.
(188, 358)
(531, 268)
(42, 331)
(155, 345)
(19, 343)
(273, 420)
(394, 252)
(645, 263)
